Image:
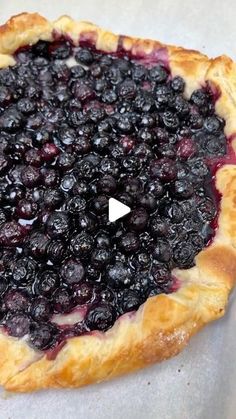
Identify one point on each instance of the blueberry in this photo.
(16, 301)
(172, 210)
(158, 73)
(33, 157)
(85, 170)
(105, 60)
(67, 136)
(163, 97)
(129, 242)
(100, 317)
(183, 255)
(207, 209)
(139, 73)
(212, 124)
(5, 96)
(164, 169)
(103, 240)
(58, 224)
(170, 120)
(83, 293)
(101, 257)
(123, 64)
(56, 250)
(4, 164)
(85, 56)
(143, 151)
(46, 283)
(12, 233)
(130, 300)
(155, 188)
(109, 167)
(100, 204)
(53, 198)
(37, 244)
(80, 187)
(107, 184)
(85, 221)
(81, 244)
(96, 70)
(146, 135)
(62, 301)
(162, 251)
(26, 209)
(23, 271)
(101, 143)
(67, 182)
(109, 96)
(199, 98)
(114, 75)
(42, 336)
(72, 271)
(127, 143)
(124, 125)
(195, 121)
(146, 240)
(119, 275)
(161, 275)
(93, 274)
(31, 176)
(14, 193)
(49, 151)
(100, 85)
(132, 185)
(17, 325)
(148, 202)
(76, 205)
(26, 106)
(178, 84)
(76, 118)
(3, 285)
(141, 260)
(182, 189)
(198, 167)
(138, 219)
(158, 227)
(60, 50)
(186, 149)
(40, 309)
(77, 72)
(65, 161)
(126, 89)
(215, 146)
(83, 92)
(11, 120)
(181, 107)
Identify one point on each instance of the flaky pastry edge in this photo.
(163, 325)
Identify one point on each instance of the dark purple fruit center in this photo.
(71, 137)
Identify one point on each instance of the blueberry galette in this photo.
(85, 116)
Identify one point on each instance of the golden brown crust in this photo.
(164, 324)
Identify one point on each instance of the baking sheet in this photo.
(200, 383)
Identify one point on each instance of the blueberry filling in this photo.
(71, 137)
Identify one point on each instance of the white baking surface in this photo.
(200, 383)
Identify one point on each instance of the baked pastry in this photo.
(86, 115)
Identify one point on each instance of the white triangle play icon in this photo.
(117, 209)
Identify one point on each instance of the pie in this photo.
(86, 115)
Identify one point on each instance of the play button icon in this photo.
(117, 210)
